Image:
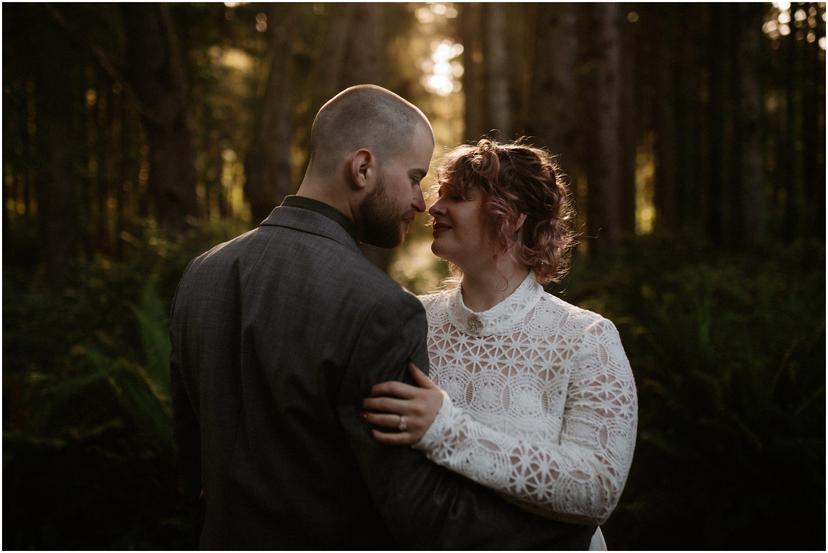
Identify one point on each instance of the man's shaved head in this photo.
(362, 116)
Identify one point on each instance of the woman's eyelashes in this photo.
(453, 197)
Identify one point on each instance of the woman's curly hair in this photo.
(518, 179)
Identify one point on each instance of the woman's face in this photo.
(460, 233)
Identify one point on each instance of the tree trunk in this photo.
(686, 86)
(267, 167)
(554, 85)
(751, 174)
(521, 38)
(56, 185)
(628, 131)
(665, 126)
(714, 127)
(604, 170)
(497, 71)
(365, 54)
(328, 68)
(813, 133)
(472, 80)
(156, 74)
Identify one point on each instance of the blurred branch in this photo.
(104, 61)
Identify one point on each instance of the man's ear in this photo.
(361, 169)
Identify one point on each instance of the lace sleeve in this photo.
(579, 479)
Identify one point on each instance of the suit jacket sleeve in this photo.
(186, 430)
(426, 506)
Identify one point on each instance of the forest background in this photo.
(136, 136)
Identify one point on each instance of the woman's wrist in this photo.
(431, 438)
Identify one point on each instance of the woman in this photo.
(531, 396)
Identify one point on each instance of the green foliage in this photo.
(727, 350)
(88, 458)
(728, 353)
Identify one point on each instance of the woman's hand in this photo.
(409, 410)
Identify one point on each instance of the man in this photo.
(279, 334)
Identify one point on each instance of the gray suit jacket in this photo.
(277, 336)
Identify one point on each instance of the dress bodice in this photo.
(542, 403)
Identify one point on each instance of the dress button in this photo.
(473, 324)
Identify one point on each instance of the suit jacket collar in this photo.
(312, 222)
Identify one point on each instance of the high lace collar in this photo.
(503, 317)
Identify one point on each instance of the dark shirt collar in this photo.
(323, 209)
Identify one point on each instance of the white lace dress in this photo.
(541, 402)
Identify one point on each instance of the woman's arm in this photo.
(578, 480)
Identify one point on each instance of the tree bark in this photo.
(365, 54)
(56, 183)
(628, 133)
(267, 167)
(521, 39)
(326, 79)
(156, 74)
(554, 84)
(604, 170)
(751, 173)
(665, 144)
(813, 134)
(472, 80)
(498, 103)
(686, 86)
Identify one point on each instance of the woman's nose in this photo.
(436, 209)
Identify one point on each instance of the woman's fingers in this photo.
(382, 419)
(393, 401)
(394, 389)
(420, 378)
(394, 438)
(388, 405)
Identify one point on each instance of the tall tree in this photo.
(267, 166)
(687, 75)
(630, 127)
(365, 51)
(663, 27)
(554, 88)
(156, 73)
(57, 100)
(813, 121)
(497, 70)
(751, 178)
(472, 79)
(604, 119)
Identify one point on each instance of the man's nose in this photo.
(419, 201)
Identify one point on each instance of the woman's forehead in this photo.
(454, 184)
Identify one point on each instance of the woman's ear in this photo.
(520, 221)
(518, 225)
(361, 168)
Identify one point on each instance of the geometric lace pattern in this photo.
(541, 403)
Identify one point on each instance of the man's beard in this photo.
(379, 221)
